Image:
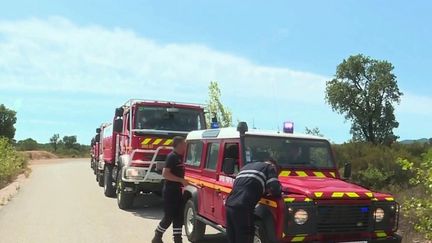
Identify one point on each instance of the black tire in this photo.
(194, 228)
(109, 188)
(100, 178)
(124, 200)
(260, 233)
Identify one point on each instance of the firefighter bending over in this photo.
(254, 180)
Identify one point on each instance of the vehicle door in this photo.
(224, 182)
(209, 177)
(194, 161)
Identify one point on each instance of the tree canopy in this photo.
(365, 90)
(216, 108)
(7, 122)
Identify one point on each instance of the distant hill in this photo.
(411, 141)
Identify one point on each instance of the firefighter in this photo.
(252, 182)
(172, 192)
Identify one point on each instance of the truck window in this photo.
(194, 152)
(212, 156)
(169, 119)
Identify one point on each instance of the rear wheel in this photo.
(124, 200)
(260, 233)
(100, 178)
(109, 188)
(194, 228)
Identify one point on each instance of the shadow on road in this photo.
(151, 207)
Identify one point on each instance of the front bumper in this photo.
(389, 239)
(339, 238)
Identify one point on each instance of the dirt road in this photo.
(61, 202)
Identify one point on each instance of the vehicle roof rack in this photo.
(131, 102)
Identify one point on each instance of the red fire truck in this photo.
(101, 131)
(317, 205)
(134, 152)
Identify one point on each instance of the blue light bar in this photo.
(288, 127)
(214, 125)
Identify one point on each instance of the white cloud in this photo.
(412, 104)
(55, 54)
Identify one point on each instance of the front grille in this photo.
(343, 218)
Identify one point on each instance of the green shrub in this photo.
(374, 166)
(419, 209)
(11, 162)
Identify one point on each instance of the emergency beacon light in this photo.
(288, 127)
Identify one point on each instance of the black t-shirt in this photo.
(175, 164)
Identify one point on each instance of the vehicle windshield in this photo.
(289, 152)
(169, 119)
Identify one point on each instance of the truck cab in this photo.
(141, 138)
(317, 204)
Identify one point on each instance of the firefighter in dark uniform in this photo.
(172, 193)
(254, 180)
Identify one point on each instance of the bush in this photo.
(419, 209)
(375, 166)
(11, 162)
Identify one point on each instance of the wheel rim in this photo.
(119, 192)
(256, 237)
(190, 217)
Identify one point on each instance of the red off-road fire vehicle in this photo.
(134, 151)
(317, 205)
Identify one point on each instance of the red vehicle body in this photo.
(97, 149)
(134, 150)
(317, 204)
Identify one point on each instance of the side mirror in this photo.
(118, 125)
(97, 138)
(229, 166)
(119, 112)
(347, 170)
(98, 130)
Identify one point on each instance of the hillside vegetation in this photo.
(404, 170)
(12, 163)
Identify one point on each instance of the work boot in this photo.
(178, 239)
(157, 238)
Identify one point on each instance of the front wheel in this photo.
(260, 233)
(194, 228)
(109, 189)
(124, 200)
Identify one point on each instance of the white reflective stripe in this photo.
(180, 229)
(271, 180)
(160, 229)
(254, 172)
(253, 176)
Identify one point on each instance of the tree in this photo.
(314, 131)
(70, 141)
(7, 122)
(216, 108)
(54, 141)
(28, 144)
(365, 91)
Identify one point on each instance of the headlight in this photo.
(133, 172)
(379, 215)
(300, 216)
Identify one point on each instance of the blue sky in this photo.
(65, 66)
